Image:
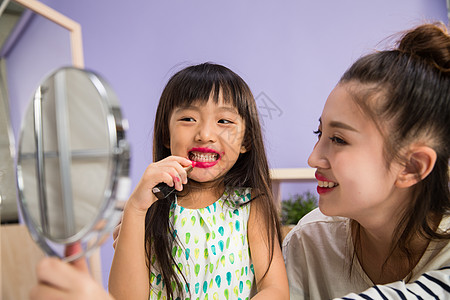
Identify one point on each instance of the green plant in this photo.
(294, 208)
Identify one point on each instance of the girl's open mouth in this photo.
(204, 157)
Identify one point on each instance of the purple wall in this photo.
(291, 53)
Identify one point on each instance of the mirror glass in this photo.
(72, 161)
(8, 197)
(10, 14)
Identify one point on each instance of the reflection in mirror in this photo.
(8, 203)
(10, 14)
(72, 162)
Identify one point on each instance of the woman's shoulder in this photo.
(315, 224)
(316, 216)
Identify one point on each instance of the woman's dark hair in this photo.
(406, 92)
(199, 83)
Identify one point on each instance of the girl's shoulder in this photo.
(444, 225)
(237, 196)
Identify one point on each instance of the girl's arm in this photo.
(275, 284)
(129, 275)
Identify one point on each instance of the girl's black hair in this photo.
(199, 83)
(406, 92)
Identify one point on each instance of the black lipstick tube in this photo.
(162, 190)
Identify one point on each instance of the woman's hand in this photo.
(60, 280)
(169, 170)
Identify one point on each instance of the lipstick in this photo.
(324, 185)
(202, 163)
(162, 190)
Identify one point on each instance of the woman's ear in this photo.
(243, 149)
(420, 162)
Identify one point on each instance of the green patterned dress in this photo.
(214, 255)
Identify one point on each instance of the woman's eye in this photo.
(318, 132)
(337, 140)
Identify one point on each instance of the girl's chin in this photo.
(206, 177)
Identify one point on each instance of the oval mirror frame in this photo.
(72, 162)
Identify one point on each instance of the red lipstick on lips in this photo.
(204, 164)
(323, 190)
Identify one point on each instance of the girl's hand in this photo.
(170, 170)
(116, 233)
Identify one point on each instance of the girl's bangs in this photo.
(200, 91)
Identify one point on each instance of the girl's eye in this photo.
(337, 140)
(318, 132)
(224, 121)
(187, 119)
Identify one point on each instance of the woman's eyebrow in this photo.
(337, 124)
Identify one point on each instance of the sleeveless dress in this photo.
(212, 252)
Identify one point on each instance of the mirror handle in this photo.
(39, 143)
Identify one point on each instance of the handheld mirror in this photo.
(72, 162)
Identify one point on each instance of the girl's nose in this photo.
(206, 133)
(318, 158)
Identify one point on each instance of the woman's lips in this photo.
(204, 157)
(324, 185)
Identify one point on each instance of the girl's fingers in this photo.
(116, 234)
(183, 161)
(168, 178)
(181, 177)
(169, 170)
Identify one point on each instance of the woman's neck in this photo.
(383, 263)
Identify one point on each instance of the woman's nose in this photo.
(318, 158)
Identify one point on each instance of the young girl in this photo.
(382, 170)
(220, 230)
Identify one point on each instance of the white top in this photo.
(317, 253)
(214, 254)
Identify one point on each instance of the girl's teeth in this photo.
(203, 157)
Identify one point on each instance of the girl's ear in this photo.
(420, 163)
(167, 144)
(246, 145)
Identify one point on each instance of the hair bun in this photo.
(430, 42)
